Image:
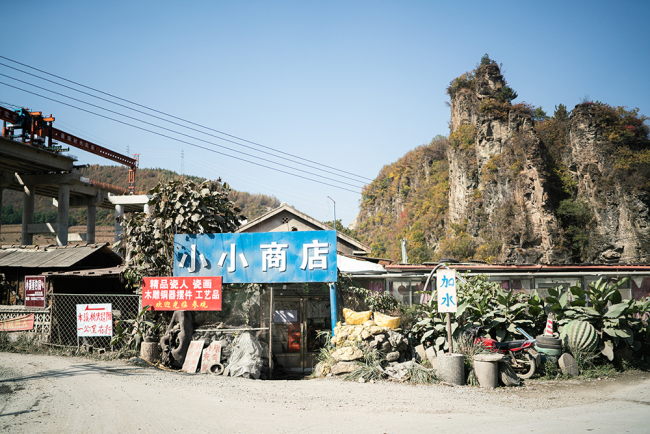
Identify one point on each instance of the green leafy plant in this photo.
(377, 301)
(619, 324)
(129, 333)
(481, 303)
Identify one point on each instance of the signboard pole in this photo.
(271, 334)
(334, 308)
(451, 341)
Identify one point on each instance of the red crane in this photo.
(36, 130)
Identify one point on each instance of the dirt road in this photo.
(63, 394)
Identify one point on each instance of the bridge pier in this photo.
(90, 224)
(63, 216)
(29, 197)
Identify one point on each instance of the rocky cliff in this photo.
(611, 176)
(497, 177)
(520, 186)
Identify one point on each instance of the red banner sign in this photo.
(34, 291)
(182, 293)
(25, 322)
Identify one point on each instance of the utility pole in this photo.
(334, 213)
(182, 163)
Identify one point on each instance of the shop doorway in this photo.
(297, 325)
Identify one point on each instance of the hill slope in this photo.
(252, 205)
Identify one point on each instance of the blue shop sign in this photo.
(258, 257)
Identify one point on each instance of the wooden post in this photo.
(451, 341)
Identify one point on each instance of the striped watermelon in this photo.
(579, 335)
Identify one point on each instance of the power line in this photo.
(182, 141)
(236, 177)
(149, 114)
(169, 129)
(169, 115)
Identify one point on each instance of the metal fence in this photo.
(64, 316)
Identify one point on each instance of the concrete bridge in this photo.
(37, 171)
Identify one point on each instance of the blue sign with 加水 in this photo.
(446, 288)
(258, 257)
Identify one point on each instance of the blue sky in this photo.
(352, 85)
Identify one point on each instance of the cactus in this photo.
(580, 335)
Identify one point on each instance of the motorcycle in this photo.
(523, 358)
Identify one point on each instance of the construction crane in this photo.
(36, 130)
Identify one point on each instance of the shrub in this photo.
(497, 108)
(523, 108)
(463, 137)
(465, 81)
(490, 250)
(621, 126)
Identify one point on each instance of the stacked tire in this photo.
(550, 346)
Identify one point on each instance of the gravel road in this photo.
(67, 394)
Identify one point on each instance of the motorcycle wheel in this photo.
(528, 368)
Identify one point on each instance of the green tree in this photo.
(540, 114)
(575, 216)
(561, 113)
(175, 207)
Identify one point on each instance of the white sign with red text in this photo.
(94, 319)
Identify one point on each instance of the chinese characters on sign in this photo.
(34, 291)
(182, 293)
(446, 288)
(192, 357)
(95, 319)
(24, 322)
(260, 257)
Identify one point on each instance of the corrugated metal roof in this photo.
(51, 257)
(98, 272)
